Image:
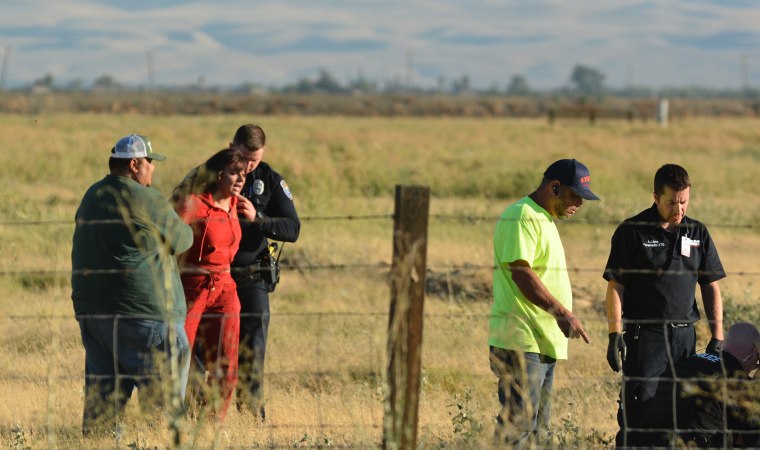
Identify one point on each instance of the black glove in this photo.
(616, 351)
(714, 346)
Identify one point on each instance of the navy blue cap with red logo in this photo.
(573, 174)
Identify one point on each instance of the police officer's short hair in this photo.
(672, 176)
(250, 136)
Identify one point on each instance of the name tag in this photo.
(685, 246)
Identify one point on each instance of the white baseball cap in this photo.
(135, 146)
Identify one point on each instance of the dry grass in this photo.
(326, 357)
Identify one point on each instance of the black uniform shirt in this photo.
(660, 282)
(276, 214)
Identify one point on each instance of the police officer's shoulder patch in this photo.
(286, 189)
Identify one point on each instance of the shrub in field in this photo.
(569, 435)
(466, 426)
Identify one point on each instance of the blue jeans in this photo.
(525, 390)
(183, 359)
(120, 355)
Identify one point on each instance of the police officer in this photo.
(711, 393)
(267, 209)
(656, 260)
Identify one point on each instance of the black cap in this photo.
(573, 174)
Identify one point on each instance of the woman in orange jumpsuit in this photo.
(213, 308)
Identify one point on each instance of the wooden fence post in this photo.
(405, 321)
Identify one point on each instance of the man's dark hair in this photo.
(672, 176)
(250, 136)
(118, 165)
(218, 162)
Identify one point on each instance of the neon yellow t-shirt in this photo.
(526, 231)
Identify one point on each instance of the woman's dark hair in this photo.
(218, 162)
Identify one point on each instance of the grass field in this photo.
(326, 358)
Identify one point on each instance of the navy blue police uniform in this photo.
(659, 270)
(710, 395)
(276, 219)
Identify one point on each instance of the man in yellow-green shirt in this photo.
(531, 318)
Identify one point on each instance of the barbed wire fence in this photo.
(323, 321)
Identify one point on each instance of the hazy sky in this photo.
(228, 42)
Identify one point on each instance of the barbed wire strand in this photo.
(323, 425)
(472, 219)
(378, 266)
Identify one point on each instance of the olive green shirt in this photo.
(123, 256)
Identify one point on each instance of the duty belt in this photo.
(679, 325)
(655, 324)
(254, 272)
(634, 327)
(267, 270)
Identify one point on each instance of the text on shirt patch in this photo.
(652, 243)
(710, 357)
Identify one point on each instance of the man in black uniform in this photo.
(715, 404)
(267, 209)
(656, 260)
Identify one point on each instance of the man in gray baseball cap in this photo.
(132, 157)
(135, 146)
(125, 284)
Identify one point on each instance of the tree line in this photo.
(584, 82)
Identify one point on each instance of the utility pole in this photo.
(151, 73)
(743, 67)
(409, 70)
(4, 72)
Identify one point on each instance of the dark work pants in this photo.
(651, 352)
(254, 323)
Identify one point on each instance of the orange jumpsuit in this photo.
(213, 308)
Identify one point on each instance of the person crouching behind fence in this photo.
(125, 284)
(716, 404)
(213, 307)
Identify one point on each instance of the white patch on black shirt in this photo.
(286, 189)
